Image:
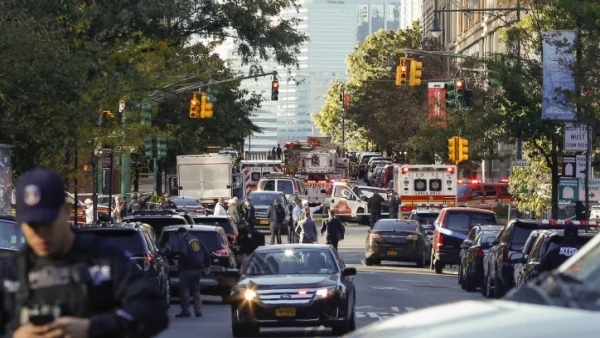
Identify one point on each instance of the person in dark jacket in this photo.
(276, 216)
(167, 203)
(289, 220)
(249, 214)
(569, 246)
(194, 260)
(92, 288)
(395, 206)
(374, 206)
(335, 229)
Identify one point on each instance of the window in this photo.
(394, 225)
(211, 239)
(11, 236)
(291, 262)
(477, 192)
(268, 185)
(285, 186)
(463, 190)
(519, 237)
(420, 185)
(490, 191)
(426, 218)
(435, 185)
(158, 224)
(222, 222)
(130, 241)
(463, 221)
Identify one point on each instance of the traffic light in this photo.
(453, 149)
(87, 167)
(463, 149)
(275, 90)
(206, 107)
(415, 73)
(450, 94)
(161, 147)
(148, 147)
(194, 107)
(402, 73)
(146, 113)
(468, 98)
(460, 91)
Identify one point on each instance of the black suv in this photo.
(220, 281)
(158, 219)
(138, 241)
(262, 201)
(224, 222)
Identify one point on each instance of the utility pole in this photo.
(110, 182)
(519, 139)
(588, 152)
(126, 156)
(75, 181)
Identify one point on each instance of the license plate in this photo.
(264, 221)
(285, 312)
(392, 253)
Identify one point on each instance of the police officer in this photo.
(167, 203)
(335, 229)
(194, 260)
(568, 247)
(374, 206)
(395, 206)
(67, 284)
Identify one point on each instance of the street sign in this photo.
(568, 190)
(106, 156)
(573, 189)
(520, 163)
(576, 137)
(569, 166)
(580, 166)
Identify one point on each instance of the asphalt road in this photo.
(382, 291)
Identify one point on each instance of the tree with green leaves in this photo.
(82, 57)
(520, 73)
(397, 118)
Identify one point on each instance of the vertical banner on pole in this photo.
(6, 179)
(436, 95)
(558, 61)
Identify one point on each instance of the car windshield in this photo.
(130, 241)
(11, 236)
(296, 261)
(394, 225)
(462, 190)
(488, 236)
(426, 218)
(158, 223)
(285, 186)
(185, 201)
(210, 239)
(464, 221)
(224, 223)
(262, 200)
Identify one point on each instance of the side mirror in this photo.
(350, 271)
(485, 245)
(232, 273)
(516, 257)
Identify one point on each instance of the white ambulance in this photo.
(425, 183)
(253, 170)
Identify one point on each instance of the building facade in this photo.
(474, 34)
(334, 27)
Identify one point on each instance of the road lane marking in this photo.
(388, 288)
(409, 309)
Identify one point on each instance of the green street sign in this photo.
(568, 190)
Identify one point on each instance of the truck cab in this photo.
(351, 201)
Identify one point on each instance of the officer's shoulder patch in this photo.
(195, 244)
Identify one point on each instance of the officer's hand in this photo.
(34, 331)
(72, 326)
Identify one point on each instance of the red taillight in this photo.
(148, 260)
(374, 236)
(412, 237)
(479, 252)
(221, 252)
(439, 239)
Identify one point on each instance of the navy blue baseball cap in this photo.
(40, 196)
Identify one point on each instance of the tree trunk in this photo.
(555, 178)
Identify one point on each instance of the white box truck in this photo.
(207, 177)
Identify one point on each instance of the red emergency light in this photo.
(451, 170)
(404, 170)
(504, 180)
(469, 181)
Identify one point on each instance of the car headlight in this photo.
(324, 293)
(250, 295)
